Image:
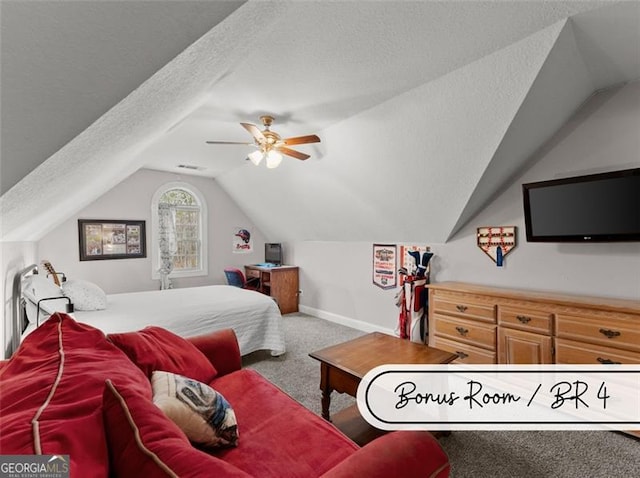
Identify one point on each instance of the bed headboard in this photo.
(19, 315)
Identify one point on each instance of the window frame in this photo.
(155, 249)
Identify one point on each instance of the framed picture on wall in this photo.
(111, 239)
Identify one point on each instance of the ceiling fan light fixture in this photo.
(256, 157)
(273, 159)
(271, 146)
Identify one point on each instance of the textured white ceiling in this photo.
(64, 64)
(429, 103)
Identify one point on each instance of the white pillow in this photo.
(85, 295)
(36, 288)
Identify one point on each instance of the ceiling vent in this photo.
(191, 167)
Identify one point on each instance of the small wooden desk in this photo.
(280, 282)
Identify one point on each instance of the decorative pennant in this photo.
(497, 242)
(384, 265)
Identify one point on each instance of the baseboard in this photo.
(346, 321)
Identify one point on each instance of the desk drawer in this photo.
(251, 273)
(467, 331)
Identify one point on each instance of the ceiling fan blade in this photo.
(293, 153)
(229, 142)
(311, 138)
(255, 132)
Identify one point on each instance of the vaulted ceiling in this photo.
(425, 109)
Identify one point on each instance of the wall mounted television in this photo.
(273, 253)
(601, 207)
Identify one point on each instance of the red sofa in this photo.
(69, 390)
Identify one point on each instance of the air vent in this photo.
(190, 166)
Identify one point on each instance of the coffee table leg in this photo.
(326, 403)
(325, 386)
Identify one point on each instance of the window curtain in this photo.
(168, 242)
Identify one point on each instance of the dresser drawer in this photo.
(466, 353)
(568, 351)
(465, 309)
(467, 331)
(525, 319)
(608, 331)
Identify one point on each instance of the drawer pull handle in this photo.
(607, 361)
(461, 355)
(461, 308)
(462, 330)
(523, 318)
(610, 333)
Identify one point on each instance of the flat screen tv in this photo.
(273, 253)
(594, 208)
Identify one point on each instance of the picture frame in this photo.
(101, 239)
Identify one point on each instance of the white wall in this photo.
(604, 135)
(131, 199)
(14, 256)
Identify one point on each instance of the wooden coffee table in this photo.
(342, 366)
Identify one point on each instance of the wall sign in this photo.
(242, 242)
(384, 265)
(497, 242)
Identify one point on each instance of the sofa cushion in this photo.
(155, 348)
(56, 378)
(200, 411)
(279, 436)
(144, 442)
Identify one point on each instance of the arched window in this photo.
(189, 238)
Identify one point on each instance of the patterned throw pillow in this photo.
(202, 413)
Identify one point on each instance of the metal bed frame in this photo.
(19, 314)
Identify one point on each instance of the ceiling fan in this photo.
(271, 146)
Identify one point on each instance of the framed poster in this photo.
(384, 265)
(111, 239)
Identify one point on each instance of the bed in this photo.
(254, 317)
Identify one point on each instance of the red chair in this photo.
(236, 278)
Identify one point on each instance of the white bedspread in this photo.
(254, 317)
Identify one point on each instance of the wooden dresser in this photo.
(484, 324)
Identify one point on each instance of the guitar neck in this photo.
(47, 265)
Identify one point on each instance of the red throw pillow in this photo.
(51, 394)
(144, 442)
(155, 348)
